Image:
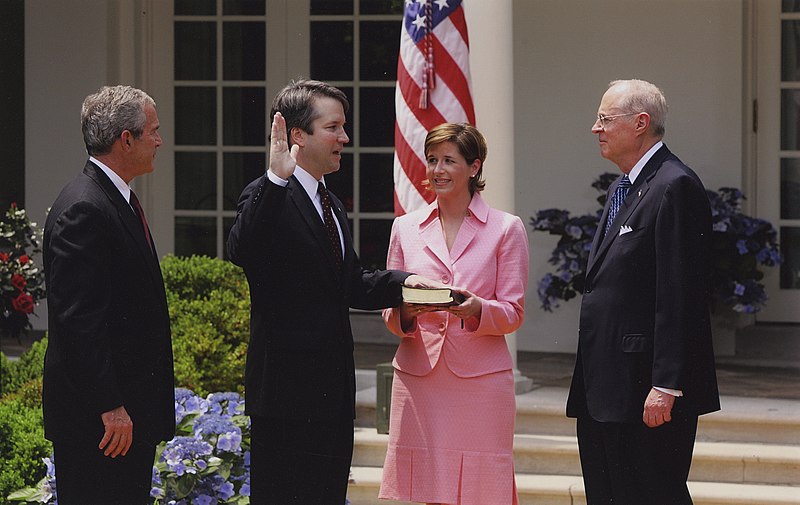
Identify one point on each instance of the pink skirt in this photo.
(451, 439)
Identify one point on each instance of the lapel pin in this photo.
(640, 193)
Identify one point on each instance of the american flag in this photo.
(433, 87)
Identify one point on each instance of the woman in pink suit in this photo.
(452, 416)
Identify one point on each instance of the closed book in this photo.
(432, 296)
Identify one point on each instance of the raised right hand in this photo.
(281, 160)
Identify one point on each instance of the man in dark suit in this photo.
(292, 239)
(108, 393)
(645, 365)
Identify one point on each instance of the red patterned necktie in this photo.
(330, 225)
(137, 207)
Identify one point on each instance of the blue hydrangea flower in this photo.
(738, 289)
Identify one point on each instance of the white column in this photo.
(490, 26)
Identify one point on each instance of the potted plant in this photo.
(741, 247)
(21, 281)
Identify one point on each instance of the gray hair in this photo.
(643, 96)
(109, 112)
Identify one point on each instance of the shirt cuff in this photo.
(673, 392)
(276, 180)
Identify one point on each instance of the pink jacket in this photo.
(489, 258)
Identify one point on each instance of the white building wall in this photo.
(66, 54)
(565, 53)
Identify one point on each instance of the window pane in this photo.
(243, 49)
(341, 183)
(12, 98)
(195, 51)
(195, 235)
(332, 57)
(195, 7)
(382, 7)
(195, 116)
(377, 117)
(790, 50)
(376, 182)
(227, 224)
(243, 116)
(791, 6)
(375, 242)
(195, 181)
(239, 170)
(790, 188)
(790, 119)
(331, 7)
(790, 249)
(243, 7)
(379, 44)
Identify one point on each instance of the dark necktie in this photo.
(330, 225)
(616, 200)
(137, 208)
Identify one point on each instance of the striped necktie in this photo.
(616, 200)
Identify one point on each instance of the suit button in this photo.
(588, 290)
(442, 326)
(445, 279)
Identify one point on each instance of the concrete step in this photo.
(568, 490)
(748, 420)
(724, 462)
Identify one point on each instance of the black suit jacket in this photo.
(109, 335)
(300, 357)
(644, 315)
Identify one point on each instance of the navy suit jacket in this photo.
(109, 335)
(644, 315)
(300, 356)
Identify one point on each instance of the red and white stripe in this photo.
(449, 100)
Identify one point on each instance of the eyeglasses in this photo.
(603, 118)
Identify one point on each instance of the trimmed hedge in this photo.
(22, 442)
(209, 308)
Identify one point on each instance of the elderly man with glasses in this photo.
(645, 365)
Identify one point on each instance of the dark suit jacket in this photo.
(644, 316)
(300, 357)
(109, 335)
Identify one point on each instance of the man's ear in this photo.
(126, 139)
(642, 122)
(298, 137)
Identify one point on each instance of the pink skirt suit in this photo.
(452, 415)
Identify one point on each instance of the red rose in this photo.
(24, 259)
(18, 281)
(13, 205)
(3, 257)
(23, 303)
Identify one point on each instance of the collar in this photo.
(637, 168)
(477, 207)
(123, 188)
(308, 181)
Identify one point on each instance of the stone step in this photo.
(568, 490)
(724, 462)
(748, 420)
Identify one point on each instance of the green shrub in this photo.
(209, 304)
(22, 446)
(15, 374)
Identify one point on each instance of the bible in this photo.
(432, 296)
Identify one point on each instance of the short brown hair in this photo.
(296, 103)
(470, 143)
